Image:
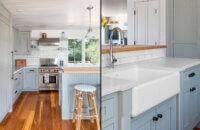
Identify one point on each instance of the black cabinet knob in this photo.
(159, 115)
(191, 75)
(192, 89)
(155, 118)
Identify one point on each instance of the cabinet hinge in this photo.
(134, 12)
(156, 11)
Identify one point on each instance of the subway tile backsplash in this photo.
(133, 56)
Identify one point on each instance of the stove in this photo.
(49, 74)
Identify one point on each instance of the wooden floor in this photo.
(39, 111)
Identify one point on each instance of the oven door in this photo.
(52, 84)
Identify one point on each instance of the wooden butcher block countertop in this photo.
(80, 70)
(106, 49)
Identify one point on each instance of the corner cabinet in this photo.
(31, 79)
(161, 117)
(189, 98)
(109, 112)
(21, 42)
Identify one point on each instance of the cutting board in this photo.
(20, 62)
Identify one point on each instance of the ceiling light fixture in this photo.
(90, 34)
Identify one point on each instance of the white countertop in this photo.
(111, 85)
(19, 68)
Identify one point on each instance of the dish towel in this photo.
(46, 78)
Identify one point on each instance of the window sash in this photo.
(83, 55)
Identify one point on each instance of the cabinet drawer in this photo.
(190, 79)
(107, 111)
(15, 95)
(31, 70)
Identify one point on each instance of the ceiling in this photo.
(53, 13)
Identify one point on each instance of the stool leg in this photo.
(90, 107)
(95, 110)
(80, 101)
(75, 106)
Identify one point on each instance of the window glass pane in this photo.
(92, 51)
(74, 51)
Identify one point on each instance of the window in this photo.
(74, 51)
(92, 51)
(83, 51)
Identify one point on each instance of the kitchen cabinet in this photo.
(190, 98)
(109, 112)
(21, 42)
(5, 49)
(31, 79)
(18, 85)
(160, 117)
(149, 22)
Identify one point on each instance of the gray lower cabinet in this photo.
(161, 117)
(18, 85)
(189, 98)
(31, 79)
(109, 112)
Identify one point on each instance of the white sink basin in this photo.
(151, 86)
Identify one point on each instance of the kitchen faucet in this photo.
(122, 43)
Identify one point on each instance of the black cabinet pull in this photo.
(15, 92)
(159, 115)
(155, 118)
(31, 70)
(192, 89)
(16, 78)
(191, 75)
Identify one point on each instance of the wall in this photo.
(133, 56)
(53, 52)
(5, 62)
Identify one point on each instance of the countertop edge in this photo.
(105, 49)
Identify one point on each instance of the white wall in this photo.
(53, 52)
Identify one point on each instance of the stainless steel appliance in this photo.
(49, 42)
(49, 74)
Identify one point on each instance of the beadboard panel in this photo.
(68, 91)
(5, 45)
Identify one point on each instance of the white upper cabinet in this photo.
(149, 22)
(21, 41)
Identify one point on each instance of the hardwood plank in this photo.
(39, 111)
(106, 49)
(29, 121)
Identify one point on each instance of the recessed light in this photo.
(20, 10)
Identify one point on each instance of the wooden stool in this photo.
(80, 91)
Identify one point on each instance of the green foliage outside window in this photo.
(92, 51)
(74, 51)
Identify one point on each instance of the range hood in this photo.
(49, 42)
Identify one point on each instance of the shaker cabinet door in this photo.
(145, 122)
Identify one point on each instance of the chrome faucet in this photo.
(113, 60)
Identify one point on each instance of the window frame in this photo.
(83, 63)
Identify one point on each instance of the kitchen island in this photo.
(68, 78)
(125, 90)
